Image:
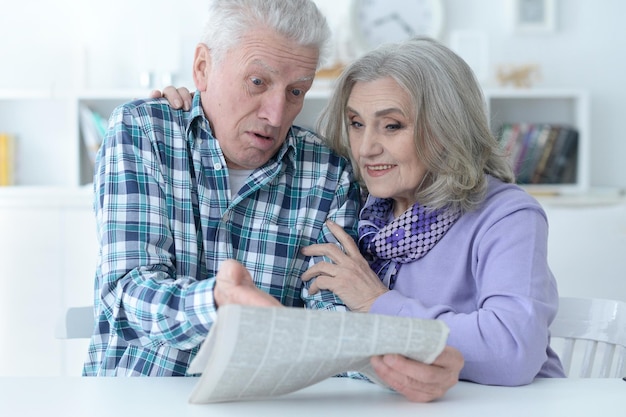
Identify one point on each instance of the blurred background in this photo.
(65, 44)
(57, 55)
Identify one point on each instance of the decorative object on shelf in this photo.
(534, 16)
(375, 22)
(330, 72)
(519, 76)
(7, 159)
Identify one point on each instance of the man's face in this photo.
(252, 96)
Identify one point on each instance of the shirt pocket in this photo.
(272, 251)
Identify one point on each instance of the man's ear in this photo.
(201, 66)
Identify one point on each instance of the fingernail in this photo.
(389, 359)
(178, 103)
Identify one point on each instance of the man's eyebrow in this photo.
(306, 79)
(265, 65)
(273, 70)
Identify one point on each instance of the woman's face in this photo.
(381, 121)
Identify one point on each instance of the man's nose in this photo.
(273, 108)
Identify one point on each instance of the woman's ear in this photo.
(201, 66)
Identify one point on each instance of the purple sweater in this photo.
(488, 279)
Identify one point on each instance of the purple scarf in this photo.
(405, 239)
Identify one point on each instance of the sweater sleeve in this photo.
(501, 296)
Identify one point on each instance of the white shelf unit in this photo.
(103, 103)
(43, 125)
(556, 107)
(52, 153)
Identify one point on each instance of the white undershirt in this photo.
(238, 178)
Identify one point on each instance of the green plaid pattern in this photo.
(167, 218)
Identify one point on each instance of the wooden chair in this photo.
(590, 337)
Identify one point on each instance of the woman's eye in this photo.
(394, 126)
(355, 124)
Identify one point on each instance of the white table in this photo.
(154, 397)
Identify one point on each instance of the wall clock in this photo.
(374, 22)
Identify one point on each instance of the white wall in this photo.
(107, 44)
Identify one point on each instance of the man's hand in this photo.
(417, 381)
(234, 285)
(176, 97)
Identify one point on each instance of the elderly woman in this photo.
(444, 232)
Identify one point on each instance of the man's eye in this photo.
(297, 92)
(256, 81)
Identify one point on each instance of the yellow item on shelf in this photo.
(7, 159)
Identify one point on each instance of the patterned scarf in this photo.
(405, 239)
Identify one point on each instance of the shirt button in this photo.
(217, 166)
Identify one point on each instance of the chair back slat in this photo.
(592, 337)
(620, 361)
(607, 360)
(591, 347)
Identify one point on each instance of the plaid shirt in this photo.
(167, 219)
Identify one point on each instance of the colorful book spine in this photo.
(7, 159)
(541, 153)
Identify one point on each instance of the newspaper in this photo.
(258, 352)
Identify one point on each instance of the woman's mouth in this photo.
(378, 170)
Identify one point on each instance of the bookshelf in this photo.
(51, 151)
(102, 103)
(568, 108)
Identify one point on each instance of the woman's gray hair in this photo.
(452, 134)
(298, 20)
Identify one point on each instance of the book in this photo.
(259, 352)
(526, 155)
(544, 161)
(93, 129)
(541, 133)
(518, 150)
(506, 137)
(7, 159)
(564, 153)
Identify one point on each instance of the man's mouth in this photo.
(258, 135)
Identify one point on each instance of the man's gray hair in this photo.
(298, 20)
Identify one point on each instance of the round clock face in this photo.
(375, 22)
